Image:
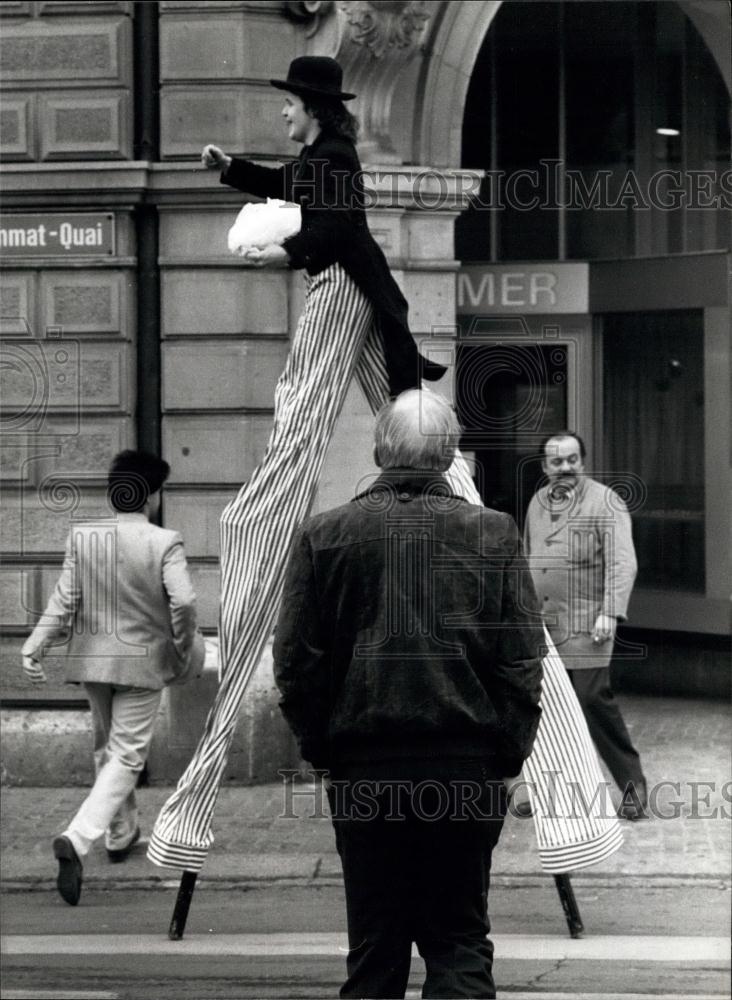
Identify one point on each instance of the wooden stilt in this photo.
(569, 905)
(182, 905)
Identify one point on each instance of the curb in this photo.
(219, 883)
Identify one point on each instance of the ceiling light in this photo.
(667, 131)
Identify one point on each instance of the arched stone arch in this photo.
(453, 47)
(715, 30)
(410, 62)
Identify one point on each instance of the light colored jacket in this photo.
(124, 603)
(582, 560)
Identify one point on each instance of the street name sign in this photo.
(57, 234)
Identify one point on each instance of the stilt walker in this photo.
(354, 323)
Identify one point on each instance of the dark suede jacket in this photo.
(409, 629)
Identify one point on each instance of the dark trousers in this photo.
(416, 856)
(607, 726)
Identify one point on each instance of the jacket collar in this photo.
(307, 151)
(574, 496)
(557, 514)
(412, 481)
(323, 136)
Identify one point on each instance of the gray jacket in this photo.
(124, 603)
(582, 561)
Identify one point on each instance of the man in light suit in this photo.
(579, 545)
(126, 606)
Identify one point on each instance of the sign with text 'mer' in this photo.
(508, 289)
(57, 234)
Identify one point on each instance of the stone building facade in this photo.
(132, 325)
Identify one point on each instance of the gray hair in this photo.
(417, 430)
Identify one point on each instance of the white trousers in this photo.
(123, 720)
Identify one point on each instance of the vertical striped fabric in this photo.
(576, 824)
(336, 338)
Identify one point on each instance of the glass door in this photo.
(653, 403)
(518, 381)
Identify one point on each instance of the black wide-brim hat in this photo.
(317, 76)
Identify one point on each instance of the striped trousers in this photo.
(336, 338)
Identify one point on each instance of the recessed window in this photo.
(653, 423)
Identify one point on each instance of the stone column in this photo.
(413, 220)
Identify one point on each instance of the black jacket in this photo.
(326, 181)
(409, 629)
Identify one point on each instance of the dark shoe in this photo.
(121, 854)
(70, 870)
(635, 802)
(523, 809)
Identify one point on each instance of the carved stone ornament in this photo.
(308, 12)
(382, 25)
(375, 41)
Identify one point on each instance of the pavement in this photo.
(282, 832)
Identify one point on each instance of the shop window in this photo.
(603, 114)
(527, 84)
(600, 126)
(653, 423)
(510, 125)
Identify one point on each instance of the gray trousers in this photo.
(123, 720)
(606, 724)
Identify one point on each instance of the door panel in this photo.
(517, 381)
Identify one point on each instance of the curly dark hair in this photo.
(133, 476)
(333, 117)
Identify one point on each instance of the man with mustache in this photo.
(579, 545)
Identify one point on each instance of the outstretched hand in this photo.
(215, 158)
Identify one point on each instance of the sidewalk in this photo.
(270, 832)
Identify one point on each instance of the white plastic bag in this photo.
(259, 226)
